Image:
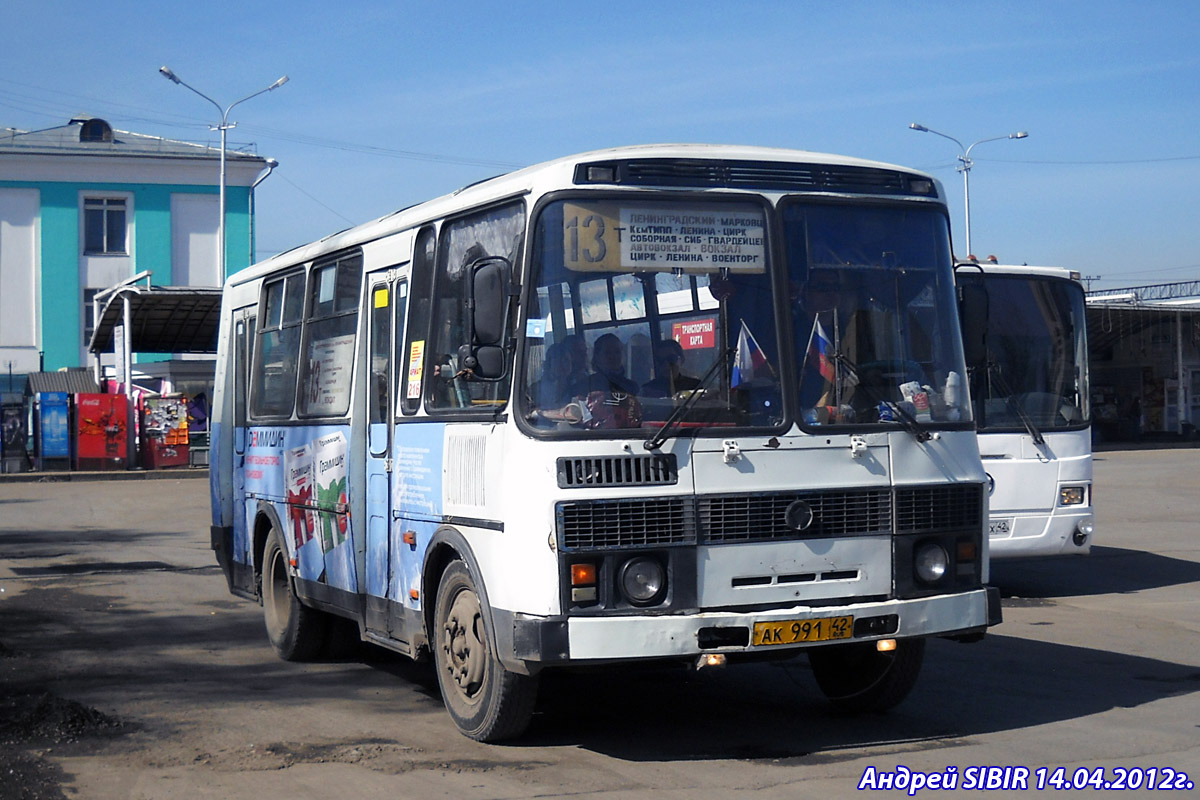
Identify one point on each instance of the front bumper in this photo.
(551, 641)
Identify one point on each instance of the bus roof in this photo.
(556, 173)
(1020, 269)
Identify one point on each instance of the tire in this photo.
(486, 702)
(856, 677)
(297, 633)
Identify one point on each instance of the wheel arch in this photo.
(266, 519)
(448, 545)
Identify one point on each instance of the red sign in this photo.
(695, 335)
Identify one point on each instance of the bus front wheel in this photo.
(487, 702)
(296, 632)
(858, 677)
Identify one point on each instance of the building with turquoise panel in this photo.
(84, 207)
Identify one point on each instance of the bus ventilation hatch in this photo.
(761, 175)
(656, 469)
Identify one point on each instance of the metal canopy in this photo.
(163, 319)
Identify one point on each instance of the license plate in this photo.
(796, 631)
(1000, 527)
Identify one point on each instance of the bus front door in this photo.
(386, 306)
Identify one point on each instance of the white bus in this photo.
(1029, 386)
(690, 403)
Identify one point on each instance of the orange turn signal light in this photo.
(967, 551)
(410, 538)
(583, 574)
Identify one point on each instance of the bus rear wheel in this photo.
(487, 702)
(297, 633)
(857, 677)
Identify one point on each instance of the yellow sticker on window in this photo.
(381, 297)
(416, 367)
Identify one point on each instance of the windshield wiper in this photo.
(1010, 399)
(672, 422)
(910, 423)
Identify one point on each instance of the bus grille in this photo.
(744, 518)
(656, 469)
(724, 519)
(922, 509)
(627, 523)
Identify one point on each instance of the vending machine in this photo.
(52, 430)
(164, 432)
(101, 427)
(13, 455)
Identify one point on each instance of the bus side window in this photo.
(494, 232)
(411, 362)
(273, 375)
(329, 337)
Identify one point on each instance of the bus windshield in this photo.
(639, 306)
(876, 329)
(1036, 354)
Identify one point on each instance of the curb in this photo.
(114, 475)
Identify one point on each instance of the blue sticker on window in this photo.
(535, 329)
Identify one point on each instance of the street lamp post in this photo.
(223, 128)
(964, 166)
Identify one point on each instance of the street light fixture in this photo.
(223, 127)
(964, 165)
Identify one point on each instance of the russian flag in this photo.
(749, 362)
(819, 370)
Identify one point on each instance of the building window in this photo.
(104, 226)
(89, 315)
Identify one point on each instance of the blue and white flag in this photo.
(749, 362)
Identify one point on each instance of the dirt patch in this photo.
(24, 776)
(28, 723)
(48, 719)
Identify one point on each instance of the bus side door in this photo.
(387, 304)
(244, 321)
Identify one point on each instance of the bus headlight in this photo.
(1071, 495)
(642, 580)
(930, 562)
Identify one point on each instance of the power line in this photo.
(315, 200)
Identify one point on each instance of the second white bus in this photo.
(1032, 407)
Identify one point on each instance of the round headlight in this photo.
(1085, 526)
(931, 562)
(642, 580)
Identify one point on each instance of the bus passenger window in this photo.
(329, 337)
(273, 375)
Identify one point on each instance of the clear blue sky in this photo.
(391, 103)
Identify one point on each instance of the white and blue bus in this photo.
(683, 402)
(1029, 386)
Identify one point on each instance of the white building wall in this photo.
(19, 271)
(194, 222)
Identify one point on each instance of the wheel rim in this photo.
(275, 592)
(464, 645)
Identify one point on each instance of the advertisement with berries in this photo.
(303, 472)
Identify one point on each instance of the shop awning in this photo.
(163, 319)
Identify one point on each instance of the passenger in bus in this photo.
(576, 349)
(608, 359)
(554, 388)
(668, 376)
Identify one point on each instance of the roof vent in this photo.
(95, 130)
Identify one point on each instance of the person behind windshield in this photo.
(554, 388)
(577, 380)
(608, 359)
(668, 375)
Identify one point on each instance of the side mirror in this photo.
(973, 317)
(489, 287)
